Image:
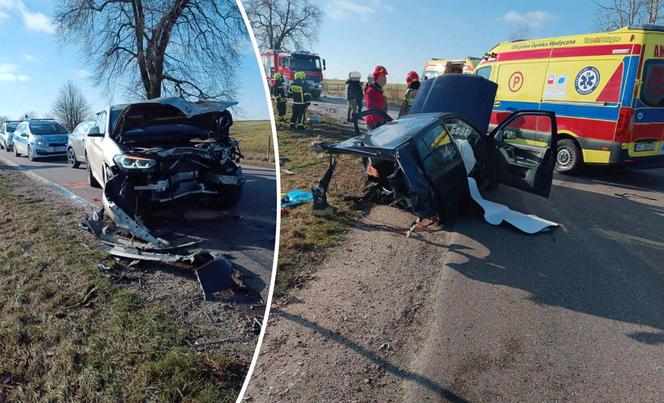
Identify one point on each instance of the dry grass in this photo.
(393, 92)
(304, 237)
(255, 141)
(68, 332)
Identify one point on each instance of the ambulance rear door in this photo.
(647, 136)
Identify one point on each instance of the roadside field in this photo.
(78, 326)
(337, 88)
(255, 141)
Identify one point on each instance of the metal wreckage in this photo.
(438, 157)
(156, 152)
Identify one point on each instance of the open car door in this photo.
(522, 151)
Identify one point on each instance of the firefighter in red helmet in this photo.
(375, 99)
(413, 81)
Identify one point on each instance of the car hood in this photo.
(52, 138)
(168, 110)
(467, 96)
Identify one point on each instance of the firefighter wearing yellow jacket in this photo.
(299, 92)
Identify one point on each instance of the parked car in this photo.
(39, 138)
(7, 134)
(153, 152)
(422, 161)
(76, 143)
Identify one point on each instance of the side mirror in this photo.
(94, 132)
(324, 64)
(24, 135)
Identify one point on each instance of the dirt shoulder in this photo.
(351, 332)
(78, 326)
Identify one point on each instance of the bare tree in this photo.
(71, 107)
(188, 48)
(614, 14)
(280, 24)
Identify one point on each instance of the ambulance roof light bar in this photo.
(647, 27)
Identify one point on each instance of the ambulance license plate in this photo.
(644, 147)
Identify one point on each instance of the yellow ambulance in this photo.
(436, 67)
(607, 90)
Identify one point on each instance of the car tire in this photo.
(9, 149)
(91, 179)
(568, 156)
(230, 196)
(2, 145)
(16, 154)
(71, 158)
(30, 156)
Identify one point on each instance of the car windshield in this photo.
(11, 127)
(305, 63)
(394, 133)
(115, 114)
(652, 89)
(46, 128)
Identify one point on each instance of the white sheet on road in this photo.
(496, 213)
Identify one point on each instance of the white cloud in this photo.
(29, 57)
(356, 9)
(8, 73)
(3, 16)
(32, 20)
(83, 73)
(532, 19)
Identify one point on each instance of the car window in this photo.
(461, 130)
(101, 122)
(652, 87)
(46, 128)
(11, 127)
(484, 72)
(436, 150)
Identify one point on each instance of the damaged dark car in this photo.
(425, 161)
(150, 153)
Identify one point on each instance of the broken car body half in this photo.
(149, 153)
(422, 161)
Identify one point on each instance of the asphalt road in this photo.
(247, 232)
(575, 314)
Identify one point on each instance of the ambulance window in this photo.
(652, 89)
(484, 72)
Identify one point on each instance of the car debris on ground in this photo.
(436, 159)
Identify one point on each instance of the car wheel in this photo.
(16, 151)
(71, 158)
(9, 149)
(230, 196)
(91, 179)
(2, 145)
(568, 156)
(30, 156)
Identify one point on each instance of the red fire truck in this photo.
(288, 63)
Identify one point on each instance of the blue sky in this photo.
(403, 34)
(34, 65)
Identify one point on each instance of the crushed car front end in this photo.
(170, 149)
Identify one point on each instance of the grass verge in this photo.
(304, 237)
(68, 332)
(255, 141)
(393, 92)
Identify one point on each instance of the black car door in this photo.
(522, 151)
(435, 172)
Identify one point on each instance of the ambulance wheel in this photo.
(568, 156)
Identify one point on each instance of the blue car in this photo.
(39, 138)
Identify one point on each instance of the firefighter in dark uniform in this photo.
(279, 94)
(299, 92)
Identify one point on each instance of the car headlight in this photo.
(40, 143)
(133, 163)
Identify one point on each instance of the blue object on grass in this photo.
(295, 197)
